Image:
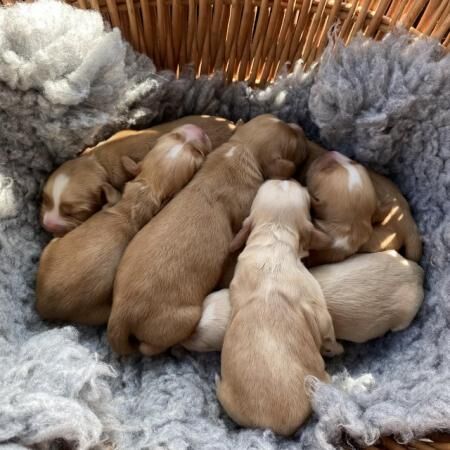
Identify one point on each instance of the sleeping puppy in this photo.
(393, 225)
(279, 319)
(181, 252)
(82, 186)
(76, 272)
(367, 295)
(343, 200)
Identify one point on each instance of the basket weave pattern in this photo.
(252, 40)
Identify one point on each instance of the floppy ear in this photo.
(279, 168)
(112, 195)
(241, 237)
(319, 240)
(131, 166)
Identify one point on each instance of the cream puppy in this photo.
(82, 186)
(181, 252)
(344, 201)
(393, 225)
(76, 272)
(367, 295)
(279, 320)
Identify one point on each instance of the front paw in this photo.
(331, 348)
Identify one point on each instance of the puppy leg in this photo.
(210, 331)
(330, 347)
(382, 238)
(171, 329)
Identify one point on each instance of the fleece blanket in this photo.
(67, 81)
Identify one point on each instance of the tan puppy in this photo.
(82, 186)
(367, 296)
(181, 252)
(393, 225)
(76, 272)
(344, 201)
(279, 319)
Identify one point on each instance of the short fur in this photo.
(279, 320)
(76, 272)
(98, 176)
(180, 254)
(342, 211)
(394, 228)
(367, 295)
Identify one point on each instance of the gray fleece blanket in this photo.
(67, 81)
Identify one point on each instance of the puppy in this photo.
(82, 186)
(279, 319)
(76, 272)
(180, 254)
(393, 225)
(344, 201)
(367, 295)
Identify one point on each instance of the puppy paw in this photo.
(331, 348)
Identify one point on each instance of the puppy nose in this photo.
(194, 133)
(53, 224)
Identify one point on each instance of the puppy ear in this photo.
(279, 168)
(132, 167)
(111, 194)
(241, 237)
(319, 240)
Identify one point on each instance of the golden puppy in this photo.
(81, 186)
(367, 295)
(344, 201)
(279, 320)
(76, 272)
(393, 225)
(181, 252)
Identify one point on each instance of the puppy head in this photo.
(287, 203)
(75, 191)
(279, 147)
(172, 162)
(341, 190)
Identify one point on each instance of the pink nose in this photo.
(53, 224)
(192, 132)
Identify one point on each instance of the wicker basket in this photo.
(253, 40)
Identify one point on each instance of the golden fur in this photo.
(367, 295)
(76, 272)
(344, 201)
(279, 320)
(176, 260)
(98, 176)
(393, 225)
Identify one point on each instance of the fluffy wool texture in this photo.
(67, 81)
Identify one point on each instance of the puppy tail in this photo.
(120, 337)
(413, 246)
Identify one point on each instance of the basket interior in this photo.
(253, 40)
